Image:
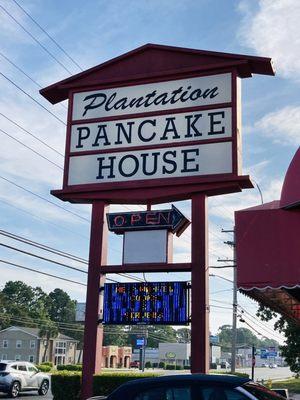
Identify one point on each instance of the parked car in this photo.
(265, 365)
(19, 376)
(134, 364)
(225, 364)
(273, 365)
(192, 387)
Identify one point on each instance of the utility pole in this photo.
(253, 362)
(234, 299)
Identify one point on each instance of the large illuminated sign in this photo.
(146, 303)
(147, 133)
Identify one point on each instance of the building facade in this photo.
(25, 344)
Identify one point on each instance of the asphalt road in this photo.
(260, 373)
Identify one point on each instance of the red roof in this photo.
(290, 194)
(155, 61)
(268, 251)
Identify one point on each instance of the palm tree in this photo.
(49, 330)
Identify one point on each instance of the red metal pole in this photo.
(93, 332)
(200, 294)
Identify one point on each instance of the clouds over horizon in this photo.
(271, 28)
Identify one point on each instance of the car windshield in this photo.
(3, 366)
(261, 392)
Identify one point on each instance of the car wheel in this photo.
(14, 390)
(43, 390)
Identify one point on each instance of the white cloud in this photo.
(272, 29)
(283, 125)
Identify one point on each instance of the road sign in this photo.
(146, 303)
(140, 342)
(171, 219)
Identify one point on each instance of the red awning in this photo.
(268, 256)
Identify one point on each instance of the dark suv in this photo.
(192, 387)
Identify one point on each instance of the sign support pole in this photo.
(93, 333)
(200, 294)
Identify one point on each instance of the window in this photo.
(22, 367)
(18, 344)
(31, 368)
(17, 357)
(215, 393)
(31, 359)
(32, 344)
(261, 392)
(5, 343)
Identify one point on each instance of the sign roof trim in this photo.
(245, 64)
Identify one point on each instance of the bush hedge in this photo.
(66, 385)
(161, 365)
(69, 367)
(44, 368)
(170, 366)
(107, 382)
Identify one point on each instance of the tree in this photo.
(23, 305)
(183, 335)
(291, 330)
(48, 330)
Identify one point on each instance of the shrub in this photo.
(178, 367)
(69, 367)
(154, 365)
(107, 382)
(186, 367)
(50, 364)
(147, 364)
(171, 366)
(66, 386)
(44, 368)
(161, 365)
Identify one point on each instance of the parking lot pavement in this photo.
(29, 396)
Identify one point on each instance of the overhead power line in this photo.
(35, 39)
(42, 246)
(31, 149)
(48, 35)
(32, 98)
(43, 258)
(43, 198)
(55, 251)
(40, 272)
(31, 134)
(25, 74)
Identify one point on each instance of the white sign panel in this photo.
(147, 131)
(152, 247)
(183, 93)
(170, 162)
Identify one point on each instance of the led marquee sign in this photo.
(146, 303)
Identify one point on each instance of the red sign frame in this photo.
(156, 190)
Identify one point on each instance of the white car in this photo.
(17, 376)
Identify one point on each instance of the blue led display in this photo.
(146, 303)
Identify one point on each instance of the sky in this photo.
(90, 33)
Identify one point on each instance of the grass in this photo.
(292, 384)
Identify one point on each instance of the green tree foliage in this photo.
(245, 337)
(24, 305)
(183, 335)
(291, 330)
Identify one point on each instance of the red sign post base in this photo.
(93, 333)
(200, 290)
